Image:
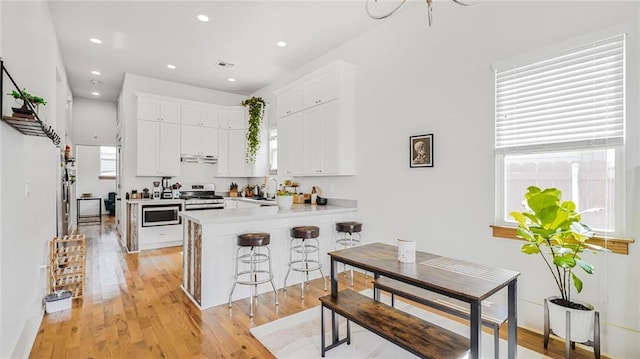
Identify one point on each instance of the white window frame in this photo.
(115, 163)
(619, 182)
(272, 136)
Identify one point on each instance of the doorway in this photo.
(96, 179)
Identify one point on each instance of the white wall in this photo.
(94, 122)
(27, 222)
(414, 79)
(88, 181)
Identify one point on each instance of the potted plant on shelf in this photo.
(256, 113)
(284, 199)
(25, 111)
(552, 228)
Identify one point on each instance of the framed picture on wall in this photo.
(421, 151)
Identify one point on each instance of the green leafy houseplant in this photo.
(552, 228)
(256, 113)
(35, 100)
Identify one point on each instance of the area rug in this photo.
(298, 336)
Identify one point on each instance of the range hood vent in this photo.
(198, 159)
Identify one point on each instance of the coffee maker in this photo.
(157, 191)
(167, 192)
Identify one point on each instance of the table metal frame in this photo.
(91, 218)
(381, 259)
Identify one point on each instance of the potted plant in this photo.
(284, 199)
(25, 96)
(256, 113)
(552, 228)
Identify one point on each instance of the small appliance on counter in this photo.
(157, 191)
(167, 191)
(201, 196)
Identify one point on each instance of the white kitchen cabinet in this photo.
(291, 145)
(198, 140)
(290, 101)
(231, 153)
(321, 90)
(158, 148)
(320, 145)
(199, 115)
(232, 117)
(152, 109)
(320, 139)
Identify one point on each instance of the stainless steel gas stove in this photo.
(201, 196)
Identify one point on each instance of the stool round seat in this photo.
(253, 239)
(347, 236)
(251, 252)
(305, 232)
(349, 227)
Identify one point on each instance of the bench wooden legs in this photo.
(335, 341)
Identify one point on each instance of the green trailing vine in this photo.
(256, 113)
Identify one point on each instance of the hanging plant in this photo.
(256, 113)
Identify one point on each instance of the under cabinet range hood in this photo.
(198, 159)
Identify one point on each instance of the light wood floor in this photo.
(134, 308)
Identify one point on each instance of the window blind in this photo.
(572, 100)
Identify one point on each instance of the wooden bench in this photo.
(418, 336)
(492, 316)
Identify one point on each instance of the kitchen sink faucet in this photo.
(275, 187)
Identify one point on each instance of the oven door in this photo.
(160, 215)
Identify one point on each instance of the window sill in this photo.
(106, 177)
(616, 245)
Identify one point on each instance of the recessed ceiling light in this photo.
(231, 79)
(172, 67)
(203, 18)
(97, 73)
(281, 43)
(95, 40)
(95, 93)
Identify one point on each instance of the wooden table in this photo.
(468, 282)
(88, 218)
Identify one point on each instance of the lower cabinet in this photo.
(160, 236)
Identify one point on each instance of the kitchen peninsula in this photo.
(209, 245)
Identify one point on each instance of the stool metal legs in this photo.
(254, 275)
(303, 248)
(348, 240)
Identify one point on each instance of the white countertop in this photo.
(213, 216)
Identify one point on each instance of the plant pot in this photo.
(582, 321)
(284, 202)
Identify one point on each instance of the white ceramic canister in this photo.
(406, 250)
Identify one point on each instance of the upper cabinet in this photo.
(290, 101)
(170, 129)
(152, 109)
(316, 125)
(321, 90)
(158, 142)
(232, 117)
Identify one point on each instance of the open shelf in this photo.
(27, 126)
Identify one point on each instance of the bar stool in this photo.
(253, 249)
(304, 242)
(348, 235)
